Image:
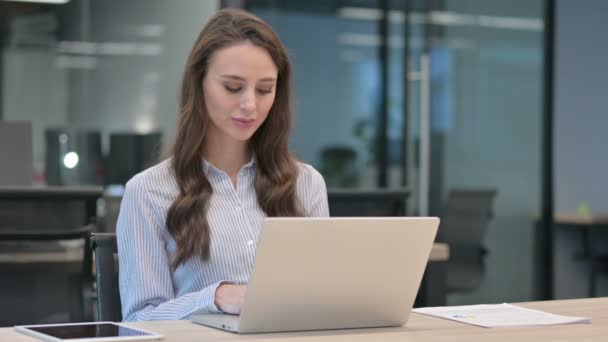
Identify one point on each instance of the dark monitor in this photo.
(376, 202)
(131, 153)
(73, 157)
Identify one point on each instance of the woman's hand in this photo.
(229, 298)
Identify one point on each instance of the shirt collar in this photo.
(251, 161)
(207, 165)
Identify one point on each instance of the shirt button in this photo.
(250, 242)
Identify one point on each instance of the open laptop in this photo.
(332, 273)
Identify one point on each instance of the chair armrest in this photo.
(103, 240)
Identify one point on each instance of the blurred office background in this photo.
(432, 96)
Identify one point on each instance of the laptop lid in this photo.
(334, 273)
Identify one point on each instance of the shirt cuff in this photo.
(207, 300)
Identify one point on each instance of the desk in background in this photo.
(440, 252)
(589, 225)
(419, 328)
(23, 206)
(432, 290)
(42, 245)
(393, 202)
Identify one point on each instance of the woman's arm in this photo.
(312, 192)
(146, 287)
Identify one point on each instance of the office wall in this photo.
(495, 143)
(33, 91)
(581, 122)
(492, 135)
(491, 124)
(138, 92)
(130, 84)
(581, 110)
(331, 91)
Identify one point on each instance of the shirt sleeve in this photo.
(313, 192)
(145, 274)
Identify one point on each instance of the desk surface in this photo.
(419, 328)
(440, 252)
(56, 192)
(69, 255)
(580, 220)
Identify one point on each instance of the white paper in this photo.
(499, 315)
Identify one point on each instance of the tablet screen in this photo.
(91, 330)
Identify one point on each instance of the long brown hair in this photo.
(276, 169)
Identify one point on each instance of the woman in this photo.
(188, 227)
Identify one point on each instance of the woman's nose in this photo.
(248, 102)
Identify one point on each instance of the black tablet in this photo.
(90, 331)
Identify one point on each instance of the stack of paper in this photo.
(499, 315)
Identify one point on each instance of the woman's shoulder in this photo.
(309, 176)
(159, 176)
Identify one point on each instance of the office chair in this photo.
(54, 236)
(376, 202)
(463, 226)
(106, 277)
(37, 221)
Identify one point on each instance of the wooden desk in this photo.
(544, 259)
(588, 225)
(70, 255)
(580, 220)
(419, 328)
(440, 252)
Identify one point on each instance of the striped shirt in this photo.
(149, 288)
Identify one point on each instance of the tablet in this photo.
(88, 331)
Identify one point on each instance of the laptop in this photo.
(332, 273)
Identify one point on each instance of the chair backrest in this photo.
(463, 226)
(466, 216)
(35, 243)
(35, 219)
(110, 217)
(106, 275)
(377, 202)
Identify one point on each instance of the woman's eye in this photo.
(264, 91)
(233, 89)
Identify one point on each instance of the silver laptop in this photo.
(332, 273)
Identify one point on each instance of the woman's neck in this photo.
(228, 156)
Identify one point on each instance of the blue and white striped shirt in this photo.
(149, 288)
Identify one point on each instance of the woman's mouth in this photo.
(243, 123)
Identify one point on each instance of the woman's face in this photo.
(239, 90)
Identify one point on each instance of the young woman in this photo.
(189, 226)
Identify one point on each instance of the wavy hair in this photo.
(276, 168)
